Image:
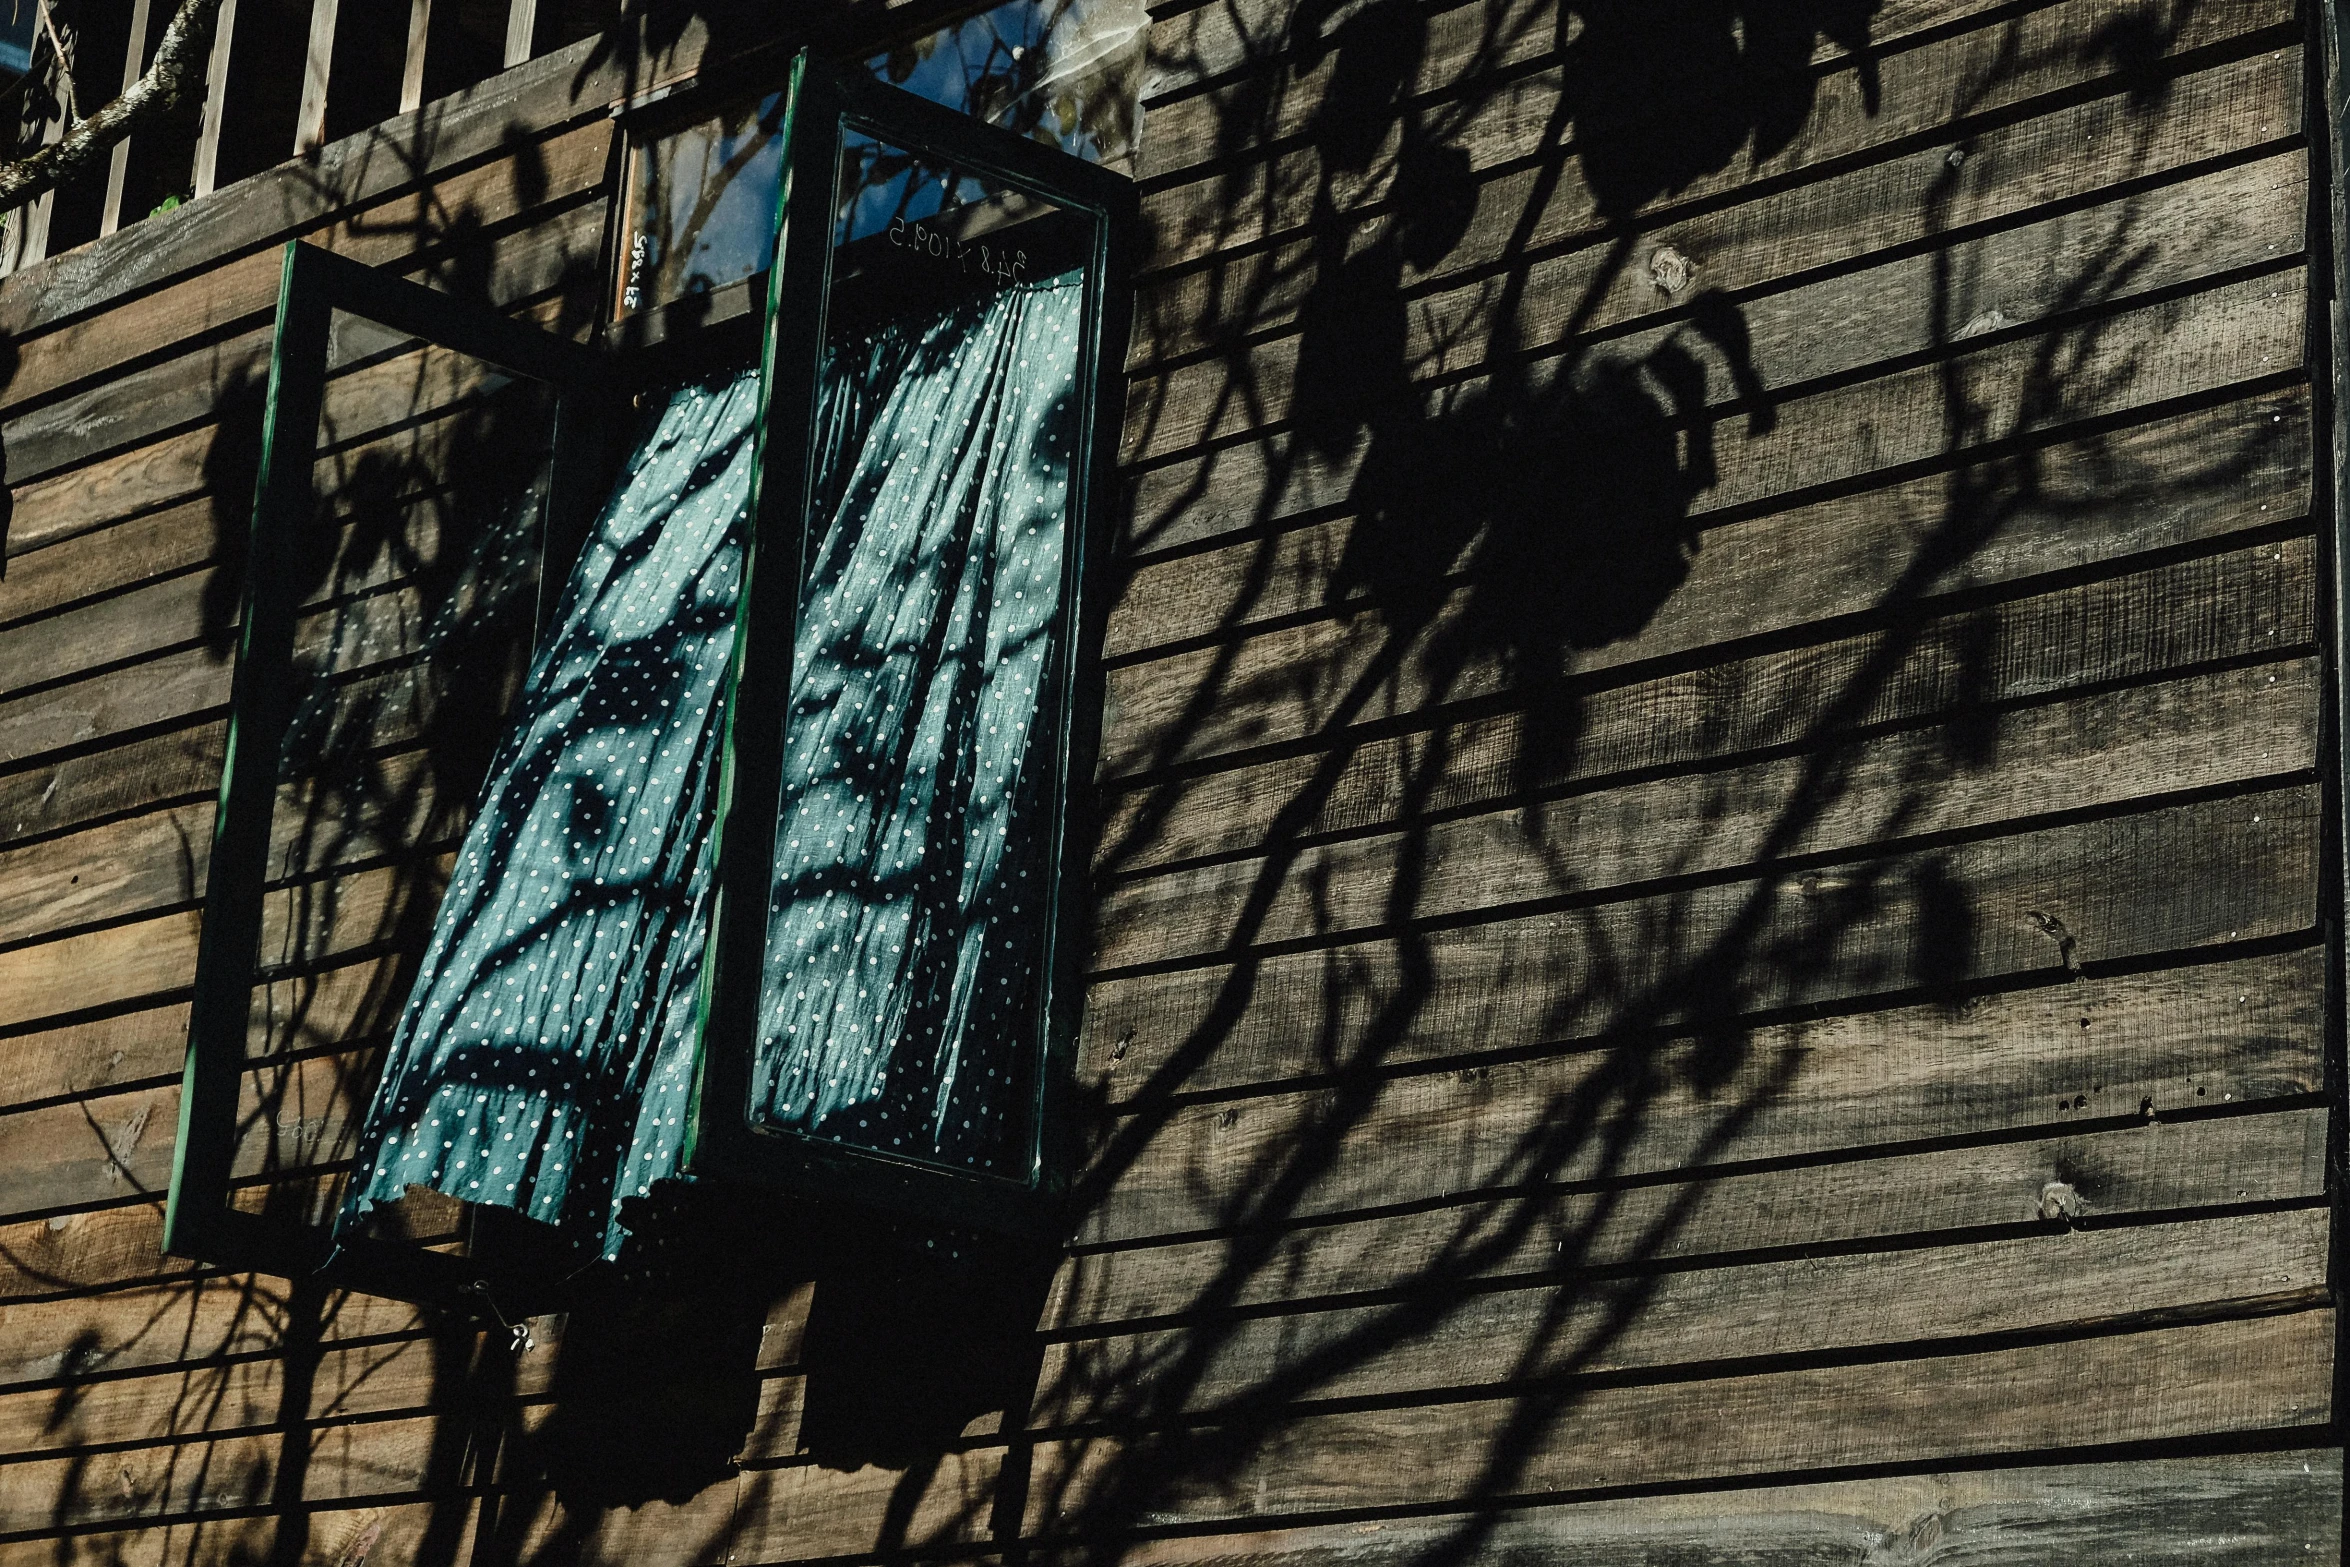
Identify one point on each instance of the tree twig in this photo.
(173, 80)
(64, 60)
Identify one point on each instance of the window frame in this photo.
(313, 284)
(591, 386)
(722, 1142)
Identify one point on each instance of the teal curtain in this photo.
(544, 1058)
(904, 948)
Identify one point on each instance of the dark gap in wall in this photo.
(466, 42)
(264, 87)
(562, 22)
(97, 33)
(370, 54)
(162, 160)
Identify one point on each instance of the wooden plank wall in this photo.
(1710, 931)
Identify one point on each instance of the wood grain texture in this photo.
(1389, 655)
(145, 864)
(1192, 44)
(2242, 1033)
(2048, 902)
(2230, 1510)
(2158, 1167)
(1884, 1035)
(2207, 1379)
(1438, 1341)
(1875, 551)
(474, 203)
(1933, 415)
(194, 461)
(291, 1119)
(2010, 279)
(180, 763)
(375, 632)
(1903, 200)
(154, 960)
(1958, 777)
(1263, 186)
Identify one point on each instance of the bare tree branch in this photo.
(64, 61)
(174, 80)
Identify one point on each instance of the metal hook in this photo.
(518, 1334)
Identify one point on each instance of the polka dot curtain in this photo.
(904, 944)
(544, 1060)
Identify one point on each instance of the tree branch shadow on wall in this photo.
(1516, 476)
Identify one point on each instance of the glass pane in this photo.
(701, 206)
(543, 1059)
(416, 579)
(1067, 72)
(901, 1004)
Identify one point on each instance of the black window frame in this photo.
(200, 1221)
(592, 385)
(723, 1141)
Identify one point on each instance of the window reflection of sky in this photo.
(1063, 71)
(705, 205)
(881, 183)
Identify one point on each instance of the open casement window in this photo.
(890, 986)
(381, 636)
(783, 860)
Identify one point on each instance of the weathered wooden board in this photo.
(1894, 548)
(218, 1399)
(223, 385)
(475, 205)
(344, 1535)
(394, 1458)
(802, 1511)
(2242, 1033)
(152, 960)
(2258, 1509)
(2155, 1167)
(1441, 1341)
(1367, 659)
(1638, 1110)
(144, 864)
(499, 119)
(2041, 903)
(181, 763)
(146, 549)
(1960, 777)
(2006, 280)
(1944, 88)
(1906, 199)
(78, 1257)
(212, 1320)
(90, 1153)
(2267, 1373)
(345, 639)
(177, 765)
(1189, 46)
(92, 495)
(1934, 415)
(341, 1003)
(2210, 609)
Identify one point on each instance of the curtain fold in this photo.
(904, 957)
(545, 1057)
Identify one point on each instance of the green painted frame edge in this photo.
(313, 284)
(720, 1141)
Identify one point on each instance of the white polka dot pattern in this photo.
(905, 935)
(545, 1055)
